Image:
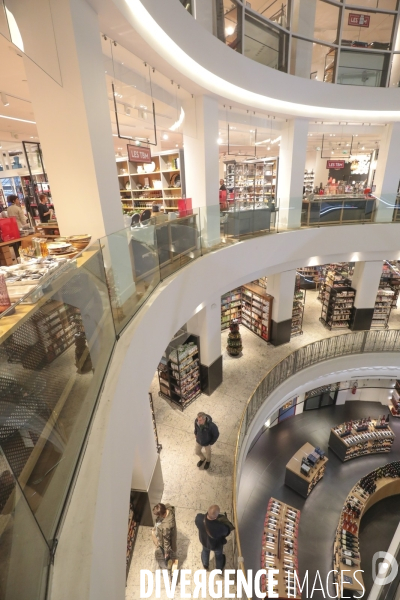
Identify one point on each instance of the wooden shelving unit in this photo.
(300, 482)
(164, 186)
(309, 277)
(299, 300)
(337, 301)
(279, 546)
(231, 307)
(252, 181)
(360, 438)
(390, 278)
(257, 310)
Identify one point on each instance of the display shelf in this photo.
(257, 310)
(279, 547)
(133, 527)
(308, 182)
(360, 438)
(141, 189)
(305, 469)
(251, 181)
(179, 373)
(337, 305)
(390, 278)
(231, 307)
(309, 276)
(298, 308)
(377, 485)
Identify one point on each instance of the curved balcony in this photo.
(360, 354)
(202, 58)
(95, 330)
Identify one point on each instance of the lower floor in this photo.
(192, 490)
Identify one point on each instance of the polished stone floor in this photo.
(192, 490)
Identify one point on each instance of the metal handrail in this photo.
(341, 345)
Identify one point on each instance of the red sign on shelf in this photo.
(138, 154)
(335, 164)
(359, 20)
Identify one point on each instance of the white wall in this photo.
(93, 540)
(370, 390)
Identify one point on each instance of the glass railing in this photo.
(55, 347)
(347, 344)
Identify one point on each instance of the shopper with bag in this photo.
(206, 433)
(164, 535)
(213, 530)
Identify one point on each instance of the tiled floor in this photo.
(192, 490)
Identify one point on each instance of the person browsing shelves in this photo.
(44, 210)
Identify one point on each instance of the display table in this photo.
(296, 480)
(385, 487)
(247, 221)
(50, 230)
(360, 443)
(279, 546)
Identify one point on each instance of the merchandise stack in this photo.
(383, 306)
(308, 181)
(234, 347)
(298, 308)
(179, 375)
(231, 307)
(133, 527)
(337, 301)
(334, 272)
(279, 547)
(361, 437)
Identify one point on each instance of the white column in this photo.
(292, 159)
(73, 121)
(387, 174)
(366, 283)
(206, 323)
(303, 24)
(281, 287)
(200, 135)
(300, 404)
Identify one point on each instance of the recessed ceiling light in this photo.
(165, 136)
(176, 145)
(219, 141)
(229, 30)
(268, 148)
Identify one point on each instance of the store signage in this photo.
(138, 154)
(359, 20)
(335, 164)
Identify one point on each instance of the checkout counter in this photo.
(337, 209)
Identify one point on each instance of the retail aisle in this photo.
(192, 490)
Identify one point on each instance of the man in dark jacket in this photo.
(212, 535)
(206, 433)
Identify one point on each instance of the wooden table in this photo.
(346, 452)
(296, 480)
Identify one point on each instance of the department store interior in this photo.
(193, 221)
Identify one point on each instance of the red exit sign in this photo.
(138, 154)
(335, 164)
(359, 20)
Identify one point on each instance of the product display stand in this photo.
(234, 347)
(382, 309)
(361, 437)
(380, 484)
(179, 373)
(133, 526)
(305, 469)
(231, 307)
(390, 278)
(309, 276)
(309, 181)
(279, 547)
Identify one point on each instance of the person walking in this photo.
(164, 535)
(206, 433)
(212, 536)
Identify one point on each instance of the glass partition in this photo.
(311, 60)
(363, 68)
(265, 44)
(54, 354)
(24, 554)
